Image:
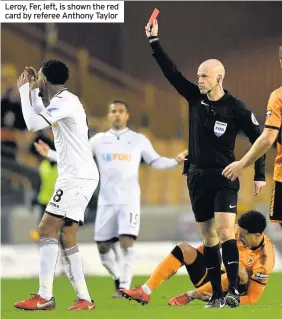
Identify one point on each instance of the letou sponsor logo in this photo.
(108, 157)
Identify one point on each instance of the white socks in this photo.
(146, 289)
(74, 270)
(127, 267)
(48, 254)
(67, 268)
(110, 263)
(117, 250)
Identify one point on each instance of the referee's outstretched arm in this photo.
(184, 87)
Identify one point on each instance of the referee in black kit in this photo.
(215, 117)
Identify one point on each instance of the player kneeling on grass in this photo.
(256, 261)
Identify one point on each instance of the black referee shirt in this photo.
(213, 125)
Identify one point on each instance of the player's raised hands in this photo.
(22, 80)
(152, 29)
(32, 76)
(42, 148)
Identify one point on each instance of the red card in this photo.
(154, 15)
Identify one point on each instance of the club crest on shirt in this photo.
(219, 128)
(54, 125)
(250, 260)
(268, 113)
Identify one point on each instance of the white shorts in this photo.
(115, 220)
(71, 198)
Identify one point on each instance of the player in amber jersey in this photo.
(256, 261)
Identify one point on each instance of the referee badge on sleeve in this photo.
(219, 128)
(254, 120)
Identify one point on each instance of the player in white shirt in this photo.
(118, 153)
(77, 179)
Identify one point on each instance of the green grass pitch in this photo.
(101, 289)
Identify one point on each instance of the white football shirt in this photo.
(118, 154)
(69, 124)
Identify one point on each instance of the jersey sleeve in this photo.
(250, 126)
(183, 86)
(253, 295)
(248, 122)
(33, 121)
(55, 112)
(36, 101)
(260, 274)
(148, 153)
(274, 112)
(94, 141)
(152, 158)
(257, 284)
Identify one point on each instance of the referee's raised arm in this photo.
(184, 87)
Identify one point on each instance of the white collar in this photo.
(118, 132)
(57, 94)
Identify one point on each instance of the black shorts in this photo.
(275, 213)
(211, 192)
